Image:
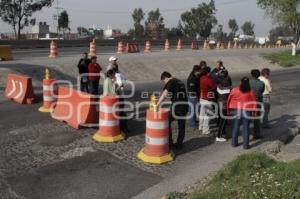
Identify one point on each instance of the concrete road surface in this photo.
(44, 158)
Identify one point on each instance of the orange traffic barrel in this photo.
(109, 125)
(167, 45)
(120, 47)
(156, 149)
(49, 92)
(148, 48)
(93, 48)
(53, 49)
(194, 45)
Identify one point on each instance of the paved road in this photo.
(43, 158)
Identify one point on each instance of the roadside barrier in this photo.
(167, 45)
(53, 49)
(222, 46)
(179, 45)
(121, 48)
(19, 88)
(49, 92)
(109, 128)
(132, 48)
(148, 48)
(156, 149)
(74, 107)
(194, 46)
(5, 53)
(93, 48)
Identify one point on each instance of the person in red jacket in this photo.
(94, 70)
(242, 104)
(207, 96)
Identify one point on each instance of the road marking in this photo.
(20, 92)
(13, 89)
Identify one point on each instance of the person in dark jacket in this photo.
(83, 72)
(179, 107)
(215, 72)
(224, 87)
(94, 75)
(203, 64)
(193, 88)
(259, 87)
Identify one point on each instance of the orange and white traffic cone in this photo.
(49, 92)
(218, 45)
(179, 45)
(229, 45)
(194, 46)
(93, 48)
(109, 128)
(205, 45)
(148, 48)
(156, 149)
(53, 49)
(167, 45)
(120, 47)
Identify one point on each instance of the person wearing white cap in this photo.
(119, 82)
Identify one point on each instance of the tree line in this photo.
(198, 22)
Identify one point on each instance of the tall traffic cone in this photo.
(49, 92)
(235, 44)
(93, 48)
(121, 48)
(179, 45)
(53, 49)
(194, 45)
(148, 48)
(229, 45)
(222, 46)
(205, 45)
(156, 150)
(109, 128)
(167, 45)
(218, 45)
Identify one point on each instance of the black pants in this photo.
(256, 124)
(222, 122)
(181, 127)
(94, 87)
(123, 121)
(84, 86)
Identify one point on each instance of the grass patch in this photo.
(284, 58)
(252, 176)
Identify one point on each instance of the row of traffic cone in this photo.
(133, 48)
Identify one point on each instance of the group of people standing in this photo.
(211, 96)
(113, 84)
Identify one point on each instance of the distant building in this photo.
(110, 33)
(40, 30)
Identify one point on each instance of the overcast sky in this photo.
(117, 13)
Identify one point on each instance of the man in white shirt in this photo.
(265, 77)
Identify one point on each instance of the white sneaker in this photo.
(220, 139)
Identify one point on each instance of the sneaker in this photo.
(220, 139)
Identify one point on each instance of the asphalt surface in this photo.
(43, 158)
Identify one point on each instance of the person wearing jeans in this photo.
(265, 77)
(241, 104)
(193, 88)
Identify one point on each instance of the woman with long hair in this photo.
(242, 104)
